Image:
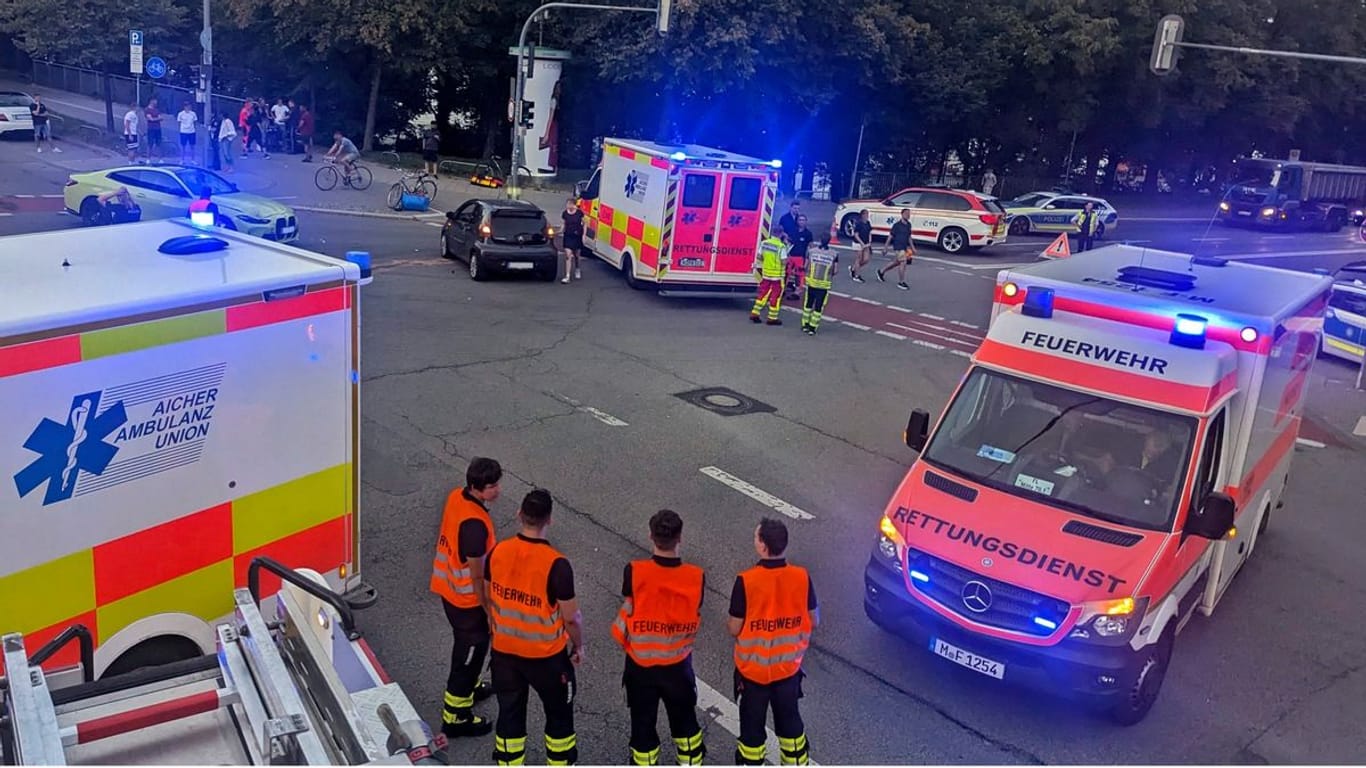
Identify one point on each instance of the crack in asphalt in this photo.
(837, 438)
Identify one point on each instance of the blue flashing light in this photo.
(1189, 331)
(203, 219)
(187, 245)
(1038, 303)
(1046, 623)
(776, 163)
(362, 260)
(921, 577)
(679, 156)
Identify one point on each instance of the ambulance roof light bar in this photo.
(679, 156)
(1189, 331)
(1038, 303)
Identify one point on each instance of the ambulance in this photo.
(1106, 466)
(682, 219)
(177, 402)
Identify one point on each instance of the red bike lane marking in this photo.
(901, 323)
(31, 204)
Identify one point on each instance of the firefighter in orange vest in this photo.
(772, 614)
(458, 577)
(656, 626)
(535, 615)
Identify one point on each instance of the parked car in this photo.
(1344, 323)
(954, 219)
(166, 191)
(1055, 211)
(14, 112)
(501, 237)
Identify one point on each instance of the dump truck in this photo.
(1290, 194)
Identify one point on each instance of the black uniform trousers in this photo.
(514, 677)
(1084, 241)
(468, 648)
(754, 700)
(676, 686)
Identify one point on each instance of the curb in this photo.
(365, 214)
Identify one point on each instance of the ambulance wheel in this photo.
(153, 652)
(847, 225)
(1019, 225)
(1143, 681)
(628, 271)
(953, 240)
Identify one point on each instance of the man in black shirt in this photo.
(42, 129)
(863, 241)
(788, 223)
(572, 237)
(899, 243)
(799, 241)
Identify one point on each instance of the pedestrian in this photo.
(863, 243)
(799, 242)
(660, 613)
(769, 268)
(571, 237)
(899, 243)
(117, 206)
(431, 145)
(292, 128)
(773, 611)
(188, 122)
(256, 120)
(280, 117)
(130, 132)
(1086, 222)
(988, 182)
(227, 142)
(788, 222)
(537, 637)
(820, 278)
(306, 132)
(42, 124)
(465, 540)
(153, 119)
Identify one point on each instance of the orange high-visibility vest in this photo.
(451, 577)
(525, 624)
(777, 626)
(658, 622)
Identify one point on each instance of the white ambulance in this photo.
(176, 403)
(685, 219)
(1107, 464)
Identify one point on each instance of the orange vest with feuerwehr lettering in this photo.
(777, 624)
(525, 624)
(451, 577)
(658, 622)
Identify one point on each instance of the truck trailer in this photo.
(1289, 194)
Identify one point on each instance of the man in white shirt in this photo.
(189, 125)
(130, 132)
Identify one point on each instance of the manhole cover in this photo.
(725, 401)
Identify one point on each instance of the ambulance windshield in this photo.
(1093, 456)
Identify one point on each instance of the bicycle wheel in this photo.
(428, 190)
(326, 178)
(361, 178)
(395, 197)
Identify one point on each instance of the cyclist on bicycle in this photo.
(343, 151)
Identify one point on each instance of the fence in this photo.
(125, 89)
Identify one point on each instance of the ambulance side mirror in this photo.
(1214, 519)
(917, 429)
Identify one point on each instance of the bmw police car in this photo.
(1344, 324)
(1055, 212)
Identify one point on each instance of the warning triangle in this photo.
(1059, 249)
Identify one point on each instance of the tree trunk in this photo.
(372, 106)
(108, 100)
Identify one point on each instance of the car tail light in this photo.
(485, 230)
(990, 219)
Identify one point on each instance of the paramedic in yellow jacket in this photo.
(820, 276)
(771, 268)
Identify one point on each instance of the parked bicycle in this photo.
(359, 177)
(412, 183)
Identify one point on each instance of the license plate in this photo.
(972, 661)
(1244, 213)
(520, 265)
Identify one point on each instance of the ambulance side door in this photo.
(740, 221)
(1211, 475)
(694, 245)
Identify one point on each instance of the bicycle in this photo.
(412, 182)
(327, 176)
(490, 173)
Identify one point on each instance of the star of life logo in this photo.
(635, 186)
(121, 434)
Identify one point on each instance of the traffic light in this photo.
(528, 113)
(1169, 31)
(662, 20)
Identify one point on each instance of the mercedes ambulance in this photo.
(176, 403)
(1105, 467)
(684, 219)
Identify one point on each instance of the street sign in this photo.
(156, 67)
(135, 51)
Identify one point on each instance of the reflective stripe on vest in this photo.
(525, 624)
(771, 252)
(820, 269)
(658, 624)
(451, 576)
(777, 625)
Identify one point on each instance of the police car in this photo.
(1344, 324)
(1055, 212)
(953, 219)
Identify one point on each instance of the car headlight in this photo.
(1223, 205)
(1268, 212)
(890, 543)
(1110, 622)
(252, 219)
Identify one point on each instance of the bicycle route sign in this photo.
(156, 67)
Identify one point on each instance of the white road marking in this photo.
(998, 267)
(1310, 443)
(6, 214)
(961, 272)
(856, 325)
(756, 493)
(603, 416)
(724, 713)
(926, 314)
(901, 309)
(965, 325)
(52, 196)
(927, 344)
(285, 197)
(1187, 220)
(866, 301)
(961, 353)
(27, 197)
(1288, 254)
(891, 335)
(972, 338)
(842, 295)
(433, 223)
(1360, 430)
(1210, 239)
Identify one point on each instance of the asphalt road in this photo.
(574, 388)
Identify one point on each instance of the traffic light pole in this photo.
(514, 188)
(1168, 39)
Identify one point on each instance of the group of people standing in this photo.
(289, 122)
(514, 601)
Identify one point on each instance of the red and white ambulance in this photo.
(683, 218)
(1117, 445)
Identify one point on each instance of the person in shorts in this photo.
(572, 237)
(42, 125)
(189, 126)
(863, 242)
(899, 244)
(130, 133)
(153, 117)
(343, 151)
(431, 143)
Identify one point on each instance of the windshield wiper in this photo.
(1044, 431)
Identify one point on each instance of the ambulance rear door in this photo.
(741, 222)
(698, 216)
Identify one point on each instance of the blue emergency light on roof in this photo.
(362, 260)
(1038, 302)
(186, 245)
(679, 156)
(1189, 331)
(776, 163)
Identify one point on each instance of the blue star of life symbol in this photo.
(734, 220)
(631, 182)
(66, 450)
(689, 217)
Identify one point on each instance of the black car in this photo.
(501, 236)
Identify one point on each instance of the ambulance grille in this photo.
(1010, 607)
(1107, 535)
(958, 490)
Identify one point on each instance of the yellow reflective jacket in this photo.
(771, 258)
(820, 267)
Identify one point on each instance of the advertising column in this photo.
(540, 148)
